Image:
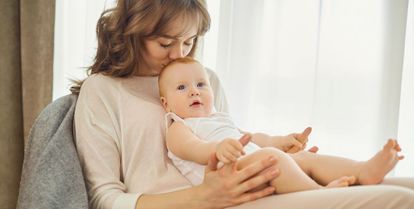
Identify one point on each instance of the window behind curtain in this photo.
(337, 66)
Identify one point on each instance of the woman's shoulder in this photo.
(98, 87)
(100, 83)
(99, 79)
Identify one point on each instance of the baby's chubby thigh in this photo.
(257, 156)
(283, 160)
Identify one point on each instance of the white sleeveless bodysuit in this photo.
(217, 127)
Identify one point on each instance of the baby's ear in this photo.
(164, 103)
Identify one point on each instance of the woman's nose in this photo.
(176, 52)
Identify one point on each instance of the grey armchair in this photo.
(52, 176)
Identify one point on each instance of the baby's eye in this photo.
(200, 84)
(181, 87)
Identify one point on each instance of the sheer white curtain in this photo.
(75, 40)
(343, 67)
(406, 115)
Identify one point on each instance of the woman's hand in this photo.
(226, 186)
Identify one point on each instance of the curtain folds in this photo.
(342, 67)
(26, 58)
(406, 111)
(37, 35)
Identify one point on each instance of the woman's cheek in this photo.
(187, 50)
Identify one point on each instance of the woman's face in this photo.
(163, 49)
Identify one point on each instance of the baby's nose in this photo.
(195, 92)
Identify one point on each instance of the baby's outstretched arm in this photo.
(186, 145)
(289, 143)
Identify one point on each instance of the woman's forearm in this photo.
(221, 188)
(190, 198)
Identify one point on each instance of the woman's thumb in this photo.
(212, 163)
(245, 139)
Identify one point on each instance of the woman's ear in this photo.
(164, 103)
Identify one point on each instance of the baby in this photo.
(195, 131)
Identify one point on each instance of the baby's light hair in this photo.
(176, 61)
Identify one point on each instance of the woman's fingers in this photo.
(231, 186)
(212, 163)
(259, 180)
(297, 144)
(245, 139)
(254, 169)
(313, 149)
(306, 132)
(303, 137)
(293, 149)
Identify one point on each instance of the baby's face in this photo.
(187, 91)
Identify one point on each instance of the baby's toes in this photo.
(351, 180)
(390, 144)
(397, 147)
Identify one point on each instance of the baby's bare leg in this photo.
(324, 169)
(291, 178)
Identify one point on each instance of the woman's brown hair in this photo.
(121, 32)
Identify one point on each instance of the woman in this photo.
(120, 130)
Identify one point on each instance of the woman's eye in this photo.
(189, 42)
(165, 45)
(181, 87)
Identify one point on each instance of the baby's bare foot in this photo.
(344, 181)
(374, 170)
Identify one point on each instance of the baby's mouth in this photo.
(195, 103)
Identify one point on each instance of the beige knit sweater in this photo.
(120, 133)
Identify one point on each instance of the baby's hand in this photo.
(293, 142)
(229, 150)
(300, 137)
(287, 143)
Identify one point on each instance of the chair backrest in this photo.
(52, 176)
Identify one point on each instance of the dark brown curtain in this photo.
(26, 72)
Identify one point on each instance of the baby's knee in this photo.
(281, 157)
(262, 154)
(303, 156)
(267, 152)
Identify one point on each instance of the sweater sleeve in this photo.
(99, 146)
(220, 100)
